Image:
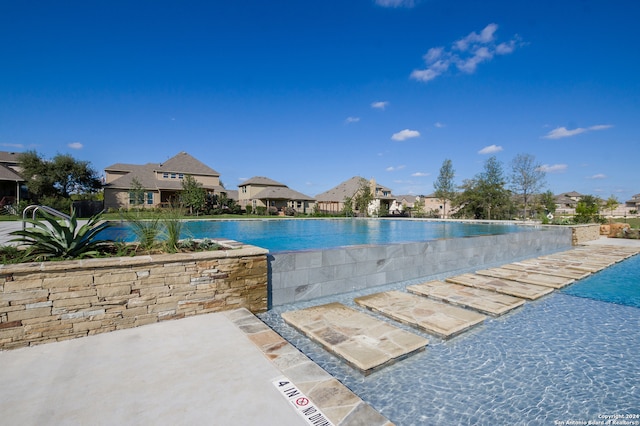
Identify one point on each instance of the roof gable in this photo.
(261, 181)
(280, 193)
(185, 163)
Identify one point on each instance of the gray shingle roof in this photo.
(7, 174)
(280, 193)
(261, 181)
(185, 163)
(146, 174)
(338, 193)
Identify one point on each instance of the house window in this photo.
(173, 175)
(299, 204)
(149, 198)
(244, 189)
(165, 175)
(136, 198)
(180, 175)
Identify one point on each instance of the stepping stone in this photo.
(513, 288)
(527, 277)
(582, 258)
(556, 269)
(433, 317)
(485, 301)
(362, 341)
(566, 263)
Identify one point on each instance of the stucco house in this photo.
(159, 183)
(260, 191)
(332, 201)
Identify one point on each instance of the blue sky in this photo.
(313, 93)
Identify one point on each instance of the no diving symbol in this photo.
(301, 402)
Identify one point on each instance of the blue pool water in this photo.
(617, 284)
(557, 360)
(290, 235)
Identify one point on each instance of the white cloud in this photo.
(554, 168)
(393, 169)
(242, 179)
(352, 120)
(420, 174)
(466, 54)
(379, 105)
(563, 132)
(405, 134)
(438, 124)
(396, 3)
(12, 145)
(598, 176)
(491, 149)
(75, 145)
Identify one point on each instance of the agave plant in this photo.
(48, 238)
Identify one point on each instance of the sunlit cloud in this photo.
(465, 54)
(405, 134)
(491, 149)
(438, 125)
(242, 179)
(396, 3)
(380, 105)
(598, 176)
(554, 168)
(563, 132)
(420, 174)
(396, 168)
(75, 145)
(12, 145)
(350, 120)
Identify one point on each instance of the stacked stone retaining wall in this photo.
(54, 301)
(583, 233)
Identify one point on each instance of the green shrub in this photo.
(48, 238)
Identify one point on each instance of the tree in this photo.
(494, 194)
(363, 197)
(587, 209)
(548, 201)
(444, 187)
(193, 195)
(527, 178)
(59, 178)
(484, 196)
(418, 208)
(136, 192)
(611, 204)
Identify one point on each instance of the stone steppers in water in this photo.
(528, 277)
(485, 301)
(361, 340)
(541, 268)
(512, 288)
(437, 318)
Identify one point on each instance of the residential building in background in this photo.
(262, 192)
(156, 184)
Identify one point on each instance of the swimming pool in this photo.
(618, 284)
(559, 359)
(304, 234)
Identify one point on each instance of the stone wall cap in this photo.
(106, 262)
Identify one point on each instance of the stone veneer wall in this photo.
(584, 233)
(299, 276)
(53, 301)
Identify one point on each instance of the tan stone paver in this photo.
(437, 318)
(512, 288)
(528, 277)
(485, 301)
(361, 340)
(552, 269)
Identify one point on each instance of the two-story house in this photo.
(332, 201)
(155, 184)
(260, 191)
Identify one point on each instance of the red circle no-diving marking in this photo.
(302, 402)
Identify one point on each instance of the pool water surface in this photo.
(305, 234)
(558, 359)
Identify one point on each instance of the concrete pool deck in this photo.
(176, 372)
